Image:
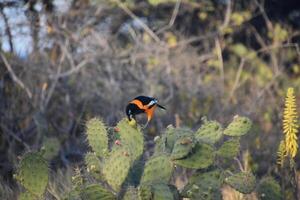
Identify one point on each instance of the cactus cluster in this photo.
(118, 170)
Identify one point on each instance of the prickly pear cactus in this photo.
(269, 189)
(27, 196)
(93, 165)
(131, 193)
(97, 136)
(173, 134)
(210, 132)
(201, 157)
(132, 138)
(33, 173)
(157, 169)
(96, 192)
(229, 149)
(238, 127)
(50, 148)
(116, 167)
(145, 192)
(182, 147)
(204, 186)
(162, 192)
(244, 182)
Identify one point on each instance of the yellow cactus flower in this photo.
(290, 124)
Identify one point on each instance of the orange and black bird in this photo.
(142, 104)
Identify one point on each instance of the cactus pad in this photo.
(269, 189)
(116, 167)
(173, 134)
(204, 186)
(33, 173)
(97, 136)
(50, 147)
(229, 149)
(96, 192)
(145, 192)
(132, 138)
(244, 182)
(162, 192)
(157, 169)
(27, 196)
(182, 147)
(93, 165)
(201, 157)
(238, 127)
(210, 132)
(131, 194)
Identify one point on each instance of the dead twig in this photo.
(14, 76)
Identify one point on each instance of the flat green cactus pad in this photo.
(173, 134)
(93, 165)
(269, 189)
(132, 138)
(51, 147)
(201, 157)
(33, 173)
(145, 192)
(183, 146)
(116, 167)
(210, 132)
(204, 186)
(244, 182)
(238, 127)
(131, 194)
(27, 196)
(229, 149)
(96, 192)
(97, 136)
(157, 169)
(162, 192)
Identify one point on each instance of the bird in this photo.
(142, 104)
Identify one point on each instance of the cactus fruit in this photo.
(97, 136)
(182, 147)
(93, 165)
(204, 186)
(238, 127)
(201, 157)
(27, 196)
(269, 189)
(96, 192)
(229, 149)
(131, 194)
(33, 173)
(244, 182)
(50, 148)
(132, 138)
(157, 165)
(116, 167)
(210, 132)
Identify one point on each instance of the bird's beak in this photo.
(161, 107)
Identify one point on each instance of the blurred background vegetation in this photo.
(63, 62)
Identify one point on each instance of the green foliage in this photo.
(183, 146)
(204, 186)
(269, 189)
(157, 165)
(210, 132)
(243, 182)
(202, 157)
(145, 192)
(33, 173)
(238, 127)
(97, 136)
(131, 194)
(229, 149)
(162, 192)
(96, 192)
